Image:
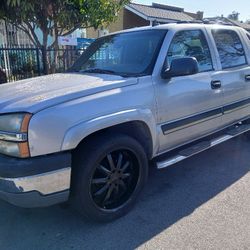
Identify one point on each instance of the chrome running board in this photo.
(203, 145)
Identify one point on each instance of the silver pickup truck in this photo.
(161, 93)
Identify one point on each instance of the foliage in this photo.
(234, 16)
(58, 17)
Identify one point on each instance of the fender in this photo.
(77, 133)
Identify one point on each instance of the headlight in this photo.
(14, 134)
(14, 122)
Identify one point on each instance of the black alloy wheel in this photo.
(108, 175)
(115, 179)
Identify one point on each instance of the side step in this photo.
(202, 146)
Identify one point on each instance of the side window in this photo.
(248, 35)
(191, 43)
(230, 48)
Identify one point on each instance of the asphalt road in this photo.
(201, 203)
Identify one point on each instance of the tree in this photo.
(234, 16)
(57, 18)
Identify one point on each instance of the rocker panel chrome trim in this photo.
(177, 158)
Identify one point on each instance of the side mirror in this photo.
(181, 67)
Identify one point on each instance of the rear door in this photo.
(234, 73)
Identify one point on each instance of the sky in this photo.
(211, 8)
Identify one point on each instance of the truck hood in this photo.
(34, 94)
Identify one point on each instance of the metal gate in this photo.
(25, 62)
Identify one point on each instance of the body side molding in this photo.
(201, 117)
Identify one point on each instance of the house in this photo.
(227, 21)
(136, 15)
(11, 36)
(245, 26)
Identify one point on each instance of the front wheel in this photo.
(109, 174)
(247, 136)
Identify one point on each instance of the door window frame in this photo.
(206, 40)
(242, 44)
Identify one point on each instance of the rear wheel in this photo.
(110, 173)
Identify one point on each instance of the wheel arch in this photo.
(137, 124)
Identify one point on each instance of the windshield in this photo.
(126, 54)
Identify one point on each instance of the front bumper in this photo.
(35, 182)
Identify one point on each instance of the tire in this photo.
(247, 136)
(109, 172)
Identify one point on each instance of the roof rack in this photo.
(221, 22)
(194, 21)
(205, 21)
(155, 23)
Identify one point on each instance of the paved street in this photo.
(201, 203)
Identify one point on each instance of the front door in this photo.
(188, 106)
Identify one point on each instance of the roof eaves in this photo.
(151, 18)
(242, 25)
(135, 11)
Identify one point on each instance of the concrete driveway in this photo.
(201, 203)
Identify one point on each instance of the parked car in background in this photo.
(160, 93)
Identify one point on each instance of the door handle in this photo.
(247, 78)
(215, 84)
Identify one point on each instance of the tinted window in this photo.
(230, 48)
(191, 43)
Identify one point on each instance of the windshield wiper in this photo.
(132, 74)
(106, 71)
(100, 71)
